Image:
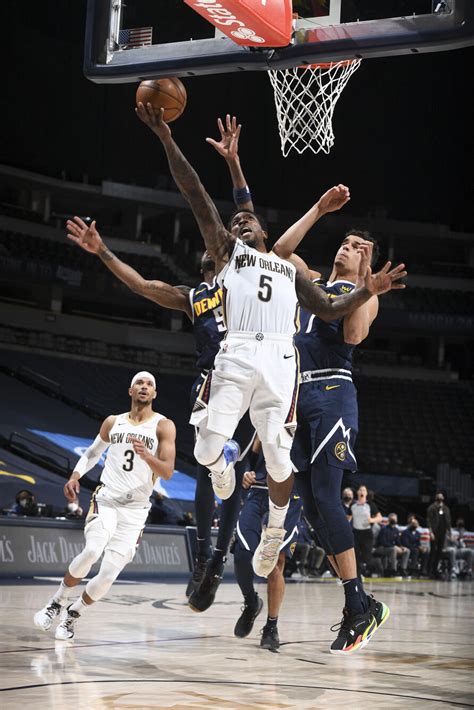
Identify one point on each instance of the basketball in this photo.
(168, 94)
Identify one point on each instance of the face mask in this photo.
(439, 501)
(23, 502)
(346, 499)
(414, 526)
(72, 507)
(392, 522)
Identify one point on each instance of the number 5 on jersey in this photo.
(265, 292)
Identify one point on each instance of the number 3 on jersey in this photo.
(265, 292)
(129, 456)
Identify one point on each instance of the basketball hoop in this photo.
(305, 98)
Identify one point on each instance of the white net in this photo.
(305, 98)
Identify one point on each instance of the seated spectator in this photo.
(347, 501)
(390, 549)
(455, 549)
(411, 539)
(25, 504)
(364, 515)
(186, 519)
(161, 512)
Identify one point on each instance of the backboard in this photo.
(185, 44)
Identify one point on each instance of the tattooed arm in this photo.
(217, 239)
(89, 239)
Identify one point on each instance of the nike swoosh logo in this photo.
(331, 387)
(288, 356)
(196, 293)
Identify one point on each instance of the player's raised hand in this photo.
(248, 479)
(228, 146)
(85, 236)
(153, 118)
(384, 280)
(334, 199)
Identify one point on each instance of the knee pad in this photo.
(278, 462)
(208, 448)
(112, 564)
(81, 564)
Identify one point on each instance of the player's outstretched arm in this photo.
(313, 299)
(162, 463)
(215, 235)
(331, 201)
(88, 238)
(228, 147)
(89, 458)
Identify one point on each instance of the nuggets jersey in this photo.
(259, 293)
(125, 473)
(321, 345)
(208, 322)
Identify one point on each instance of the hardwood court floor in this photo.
(143, 648)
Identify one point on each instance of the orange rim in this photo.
(327, 65)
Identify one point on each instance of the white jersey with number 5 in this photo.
(125, 473)
(259, 293)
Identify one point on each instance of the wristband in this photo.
(241, 195)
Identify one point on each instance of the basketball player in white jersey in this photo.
(141, 448)
(256, 367)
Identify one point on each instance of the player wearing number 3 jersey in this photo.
(256, 366)
(141, 447)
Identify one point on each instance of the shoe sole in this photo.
(260, 607)
(224, 495)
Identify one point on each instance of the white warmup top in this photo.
(259, 293)
(124, 471)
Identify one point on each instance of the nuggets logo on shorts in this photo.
(292, 547)
(340, 450)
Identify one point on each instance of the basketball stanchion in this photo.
(305, 99)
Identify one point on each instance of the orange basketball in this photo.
(168, 94)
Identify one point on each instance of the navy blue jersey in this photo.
(208, 322)
(321, 345)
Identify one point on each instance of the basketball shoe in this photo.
(199, 571)
(266, 555)
(380, 612)
(270, 639)
(354, 631)
(247, 618)
(65, 630)
(45, 617)
(224, 483)
(202, 597)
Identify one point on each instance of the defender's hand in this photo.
(385, 280)
(85, 236)
(71, 489)
(153, 119)
(228, 146)
(248, 479)
(334, 199)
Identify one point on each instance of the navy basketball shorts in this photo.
(327, 418)
(254, 514)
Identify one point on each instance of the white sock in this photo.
(62, 593)
(79, 605)
(277, 514)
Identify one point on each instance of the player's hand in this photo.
(385, 280)
(153, 119)
(334, 199)
(71, 489)
(140, 449)
(85, 236)
(248, 479)
(228, 146)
